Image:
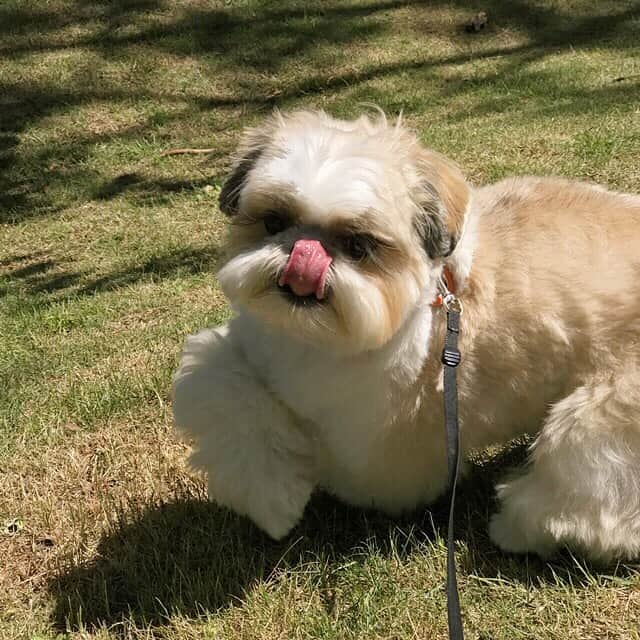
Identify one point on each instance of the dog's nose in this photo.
(306, 270)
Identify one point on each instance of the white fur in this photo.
(257, 454)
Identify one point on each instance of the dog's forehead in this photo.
(330, 170)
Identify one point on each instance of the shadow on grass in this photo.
(46, 276)
(143, 188)
(281, 54)
(169, 264)
(189, 557)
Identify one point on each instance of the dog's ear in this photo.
(442, 197)
(252, 146)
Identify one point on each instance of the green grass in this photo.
(107, 254)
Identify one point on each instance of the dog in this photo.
(329, 374)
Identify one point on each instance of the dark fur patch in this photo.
(230, 193)
(431, 228)
(442, 196)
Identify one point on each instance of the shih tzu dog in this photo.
(329, 375)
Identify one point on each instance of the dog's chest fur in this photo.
(333, 391)
(363, 412)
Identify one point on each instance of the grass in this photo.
(107, 253)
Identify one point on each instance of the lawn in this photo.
(107, 258)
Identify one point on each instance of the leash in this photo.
(451, 359)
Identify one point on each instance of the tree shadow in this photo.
(173, 263)
(52, 282)
(198, 557)
(145, 189)
(191, 557)
(35, 273)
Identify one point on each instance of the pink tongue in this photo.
(306, 269)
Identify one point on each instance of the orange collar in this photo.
(449, 280)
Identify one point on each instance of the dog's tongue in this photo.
(306, 269)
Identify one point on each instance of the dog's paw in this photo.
(267, 479)
(506, 535)
(277, 502)
(278, 515)
(515, 533)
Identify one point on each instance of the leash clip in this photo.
(450, 301)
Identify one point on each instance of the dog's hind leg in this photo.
(257, 457)
(581, 487)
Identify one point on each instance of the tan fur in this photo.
(553, 298)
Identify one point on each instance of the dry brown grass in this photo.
(79, 490)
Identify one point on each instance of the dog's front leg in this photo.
(257, 456)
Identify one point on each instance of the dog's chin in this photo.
(358, 313)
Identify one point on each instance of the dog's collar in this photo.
(449, 286)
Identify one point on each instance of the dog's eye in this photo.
(275, 223)
(358, 247)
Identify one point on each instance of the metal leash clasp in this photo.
(450, 301)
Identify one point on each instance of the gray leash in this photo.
(451, 359)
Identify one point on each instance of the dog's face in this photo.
(338, 228)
